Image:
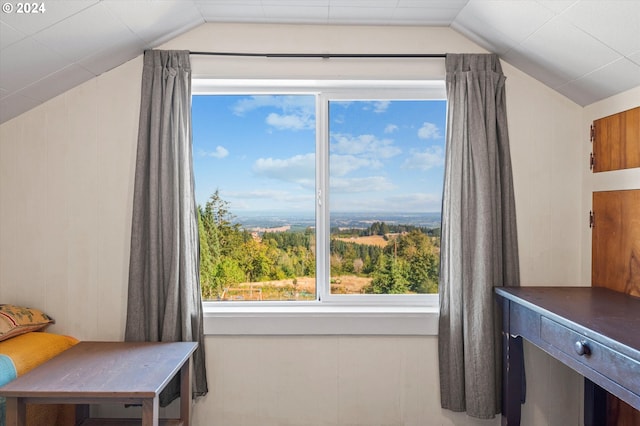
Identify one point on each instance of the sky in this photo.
(259, 152)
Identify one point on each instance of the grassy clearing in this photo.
(292, 289)
(372, 240)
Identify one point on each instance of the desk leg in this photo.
(513, 386)
(16, 412)
(595, 404)
(512, 380)
(185, 393)
(150, 412)
(82, 413)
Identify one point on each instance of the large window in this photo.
(319, 191)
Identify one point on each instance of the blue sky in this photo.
(259, 151)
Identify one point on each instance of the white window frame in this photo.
(328, 314)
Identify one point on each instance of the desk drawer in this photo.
(616, 366)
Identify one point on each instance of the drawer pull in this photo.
(582, 348)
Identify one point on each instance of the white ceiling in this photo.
(585, 49)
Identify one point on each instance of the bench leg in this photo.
(185, 393)
(150, 412)
(16, 412)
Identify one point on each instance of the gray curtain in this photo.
(479, 249)
(164, 290)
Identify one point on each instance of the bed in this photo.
(25, 345)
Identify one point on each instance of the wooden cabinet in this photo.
(615, 253)
(616, 265)
(616, 225)
(616, 141)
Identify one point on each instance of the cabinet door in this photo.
(616, 141)
(616, 265)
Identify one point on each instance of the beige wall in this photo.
(66, 177)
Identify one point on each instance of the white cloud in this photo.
(390, 128)
(263, 194)
(296, 112)
(298, 169)
(365, 184)
(417, 201)
(272, 199)
(425, 160)
(290, 122)
(429, 131)
(407, 202)
(272, 194)
(365, 145)
(377, 107)
(250, 103)
(283, 103)
(340, 165)
(220, 152)
(381, 106)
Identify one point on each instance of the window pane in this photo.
(254, 166)
(386, 161)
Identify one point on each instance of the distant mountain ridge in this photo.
(357, 220)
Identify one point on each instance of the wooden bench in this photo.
(106, 372)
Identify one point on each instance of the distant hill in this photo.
(298, 221)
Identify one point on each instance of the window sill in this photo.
(319, 319)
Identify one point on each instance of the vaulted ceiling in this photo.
(585, 49)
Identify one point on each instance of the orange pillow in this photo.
(15, 320)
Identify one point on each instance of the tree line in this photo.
(230, 255)
(381, 228)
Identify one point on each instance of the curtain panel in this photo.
(479, 248)
(164, 302)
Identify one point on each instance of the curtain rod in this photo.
(324, 55)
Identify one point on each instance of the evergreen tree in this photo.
(418, 251)
(207, 265)
(390, 277)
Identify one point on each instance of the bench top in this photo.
(104, 370)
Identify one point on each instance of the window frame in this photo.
(328, 314)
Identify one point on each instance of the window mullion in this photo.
(323, 287)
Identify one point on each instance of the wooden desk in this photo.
(593, 330)
(105, 372)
